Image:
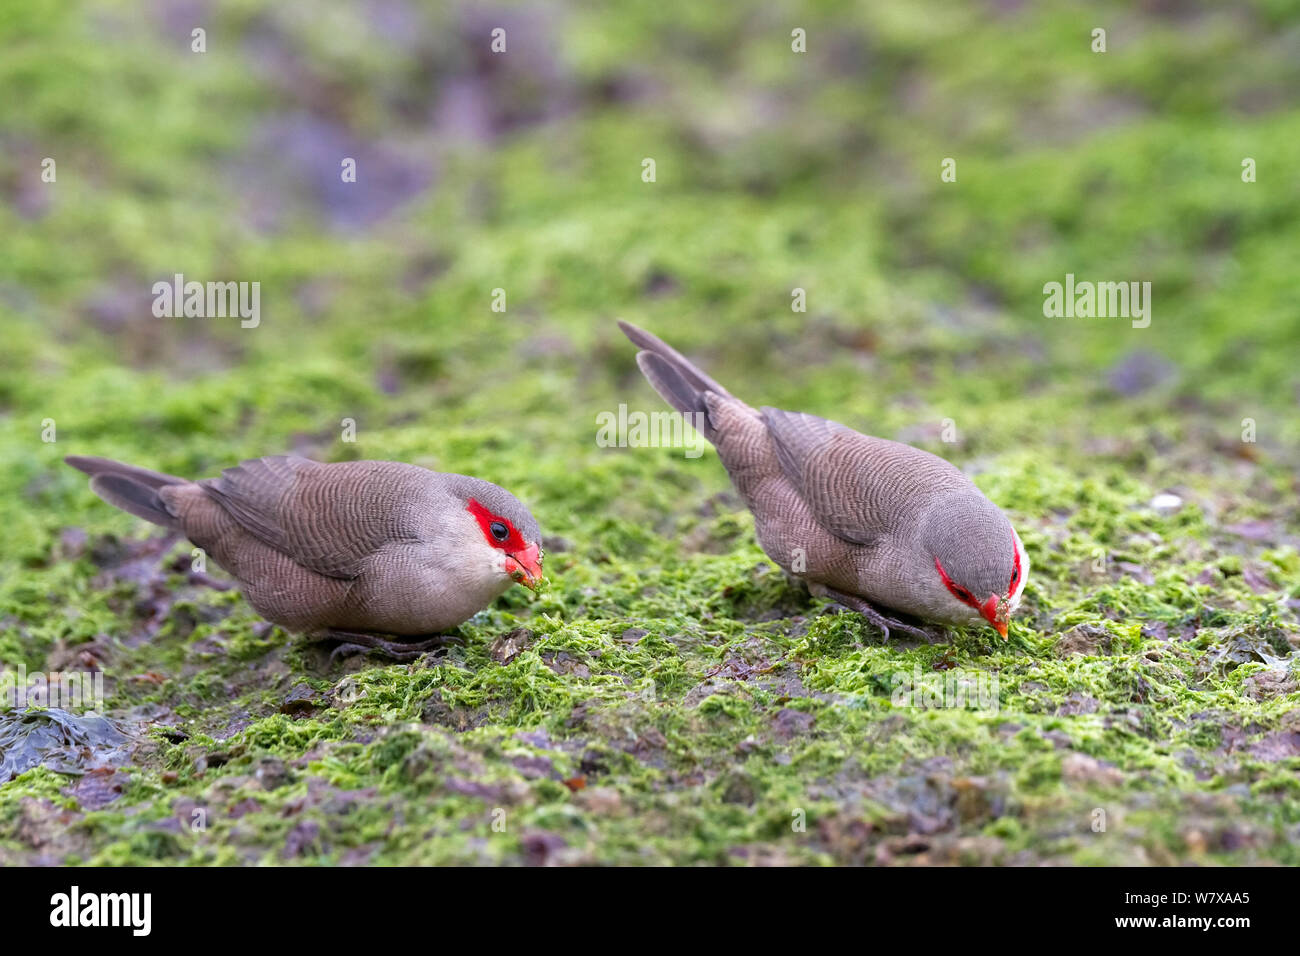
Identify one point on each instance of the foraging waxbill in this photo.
(870, 523)
(357, 551)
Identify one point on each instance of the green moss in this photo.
(680, 701)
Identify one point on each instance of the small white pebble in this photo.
(1166, 502)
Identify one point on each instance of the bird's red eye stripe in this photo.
(960, 593)
(1015, 570)
(513, 540)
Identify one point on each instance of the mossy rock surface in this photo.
(674, 699)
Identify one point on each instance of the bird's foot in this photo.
(342, 652)
(396, 648)
(882, 621)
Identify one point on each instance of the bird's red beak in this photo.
(526, 566)
(994, 611)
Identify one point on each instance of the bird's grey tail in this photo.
(134, 490)
(676, 378)
(685, 367)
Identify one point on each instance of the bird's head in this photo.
(982, 566)
(504, 533)
(517, 538)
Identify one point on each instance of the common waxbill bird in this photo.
(373, 553)
(871, 523)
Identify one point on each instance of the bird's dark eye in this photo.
(499, 530)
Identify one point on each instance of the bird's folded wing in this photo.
(328, 518)
(858, 487)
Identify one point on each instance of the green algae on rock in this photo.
(679, 701)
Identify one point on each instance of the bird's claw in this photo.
(402, 651)
(884, 623)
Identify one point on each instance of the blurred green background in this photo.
(775, 170)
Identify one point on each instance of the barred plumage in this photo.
(873, 523)
(376, 547)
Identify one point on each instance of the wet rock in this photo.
(974, 800)
(489, 96)
(115, 305)
(421, 761)
(1080, 768)
(61, 741)
(301, 701)
(1257, 579)
(649, 745)
(541, 847)
(893, 847)
(460, 719)
(659, 284)
(1086, 639)
(506, 647)
(216, 758)
(1277, 746)
(40, 823)
(1268, 684)
(563, 662)
(602, 801)
(296, 159)
(88, 656)
(593, 762)
(302, 840)
(243, 808)
(1138, 572)
(272, 774)
(1155, 630)
(554, 544)
(98, 788)
(1234, 649)
(788, 723)
(536, 738)
(1266, 531)
(490, 793)
(1139, 372)
(1058, 739)
(359, 855)
(234, 725)
(534, 768)
(72, 544)
(1075, 703)
(846, 837)
(738, 787)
